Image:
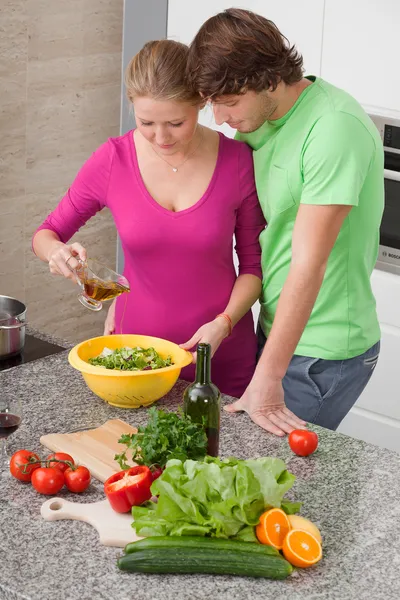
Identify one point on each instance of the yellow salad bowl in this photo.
(128, 389)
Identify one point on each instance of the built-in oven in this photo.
(389, 249)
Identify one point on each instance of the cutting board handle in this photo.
(114, 529)
(56, 509)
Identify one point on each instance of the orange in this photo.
(273, 528)
(301, 548)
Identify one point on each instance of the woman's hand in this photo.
(63, 258)
(109, 325)
(212, 333)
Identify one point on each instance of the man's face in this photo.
(245, 112)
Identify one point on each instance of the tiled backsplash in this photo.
(60, 73)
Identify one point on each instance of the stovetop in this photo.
(34, 348)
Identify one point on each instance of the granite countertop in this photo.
(349, 488)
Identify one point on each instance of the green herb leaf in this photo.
(121, 460)
(167, 435)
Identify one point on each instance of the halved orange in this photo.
(301, 548)
(273, 528)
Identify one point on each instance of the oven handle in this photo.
(394, 175)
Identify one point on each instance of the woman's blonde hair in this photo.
(158, 71)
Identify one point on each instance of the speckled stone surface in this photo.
(350, 489)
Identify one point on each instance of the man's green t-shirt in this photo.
(325, 150)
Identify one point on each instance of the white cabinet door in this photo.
(386, 288)
(361, 50)
(300, 22)
(372, 428)
(382, 394)
(376, 416)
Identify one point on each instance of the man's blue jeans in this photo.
(323, 391)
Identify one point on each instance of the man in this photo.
(318, 162)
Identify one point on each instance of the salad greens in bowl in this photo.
(128, 370)
(130, 359)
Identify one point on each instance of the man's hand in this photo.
(265, 405)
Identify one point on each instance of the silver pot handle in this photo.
(16, 326)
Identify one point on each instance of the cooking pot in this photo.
(12, 326)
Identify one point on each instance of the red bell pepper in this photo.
(128, 488)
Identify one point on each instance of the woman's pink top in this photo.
(179, 264)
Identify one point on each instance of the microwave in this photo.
(389, 247)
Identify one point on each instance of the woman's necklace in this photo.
(175, 169)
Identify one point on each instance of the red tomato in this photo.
(303, 442)
(77, 480)
(60, 465)
(20, 466)
(47, 480)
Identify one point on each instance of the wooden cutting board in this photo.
(93, 448)
(114, 529)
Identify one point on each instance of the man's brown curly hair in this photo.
(238, 50)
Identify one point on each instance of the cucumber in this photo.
(191, 554)
(196, 541)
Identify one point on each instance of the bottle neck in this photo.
(203, 365)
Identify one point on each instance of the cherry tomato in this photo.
(20, 466)
(60, 465)
(77, 480)
(303, 442)
(47, 480)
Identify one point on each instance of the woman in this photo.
(178, 193)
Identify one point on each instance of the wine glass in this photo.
(10, 420)
(98, 283)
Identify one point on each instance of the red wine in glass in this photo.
(9, 423)
(10, 420)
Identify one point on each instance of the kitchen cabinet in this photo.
(300, 22)
(376, 416)
(360, 50)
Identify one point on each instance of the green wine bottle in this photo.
(202, 399)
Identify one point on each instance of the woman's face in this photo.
(168, 125)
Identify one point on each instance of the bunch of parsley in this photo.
(167, 435)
